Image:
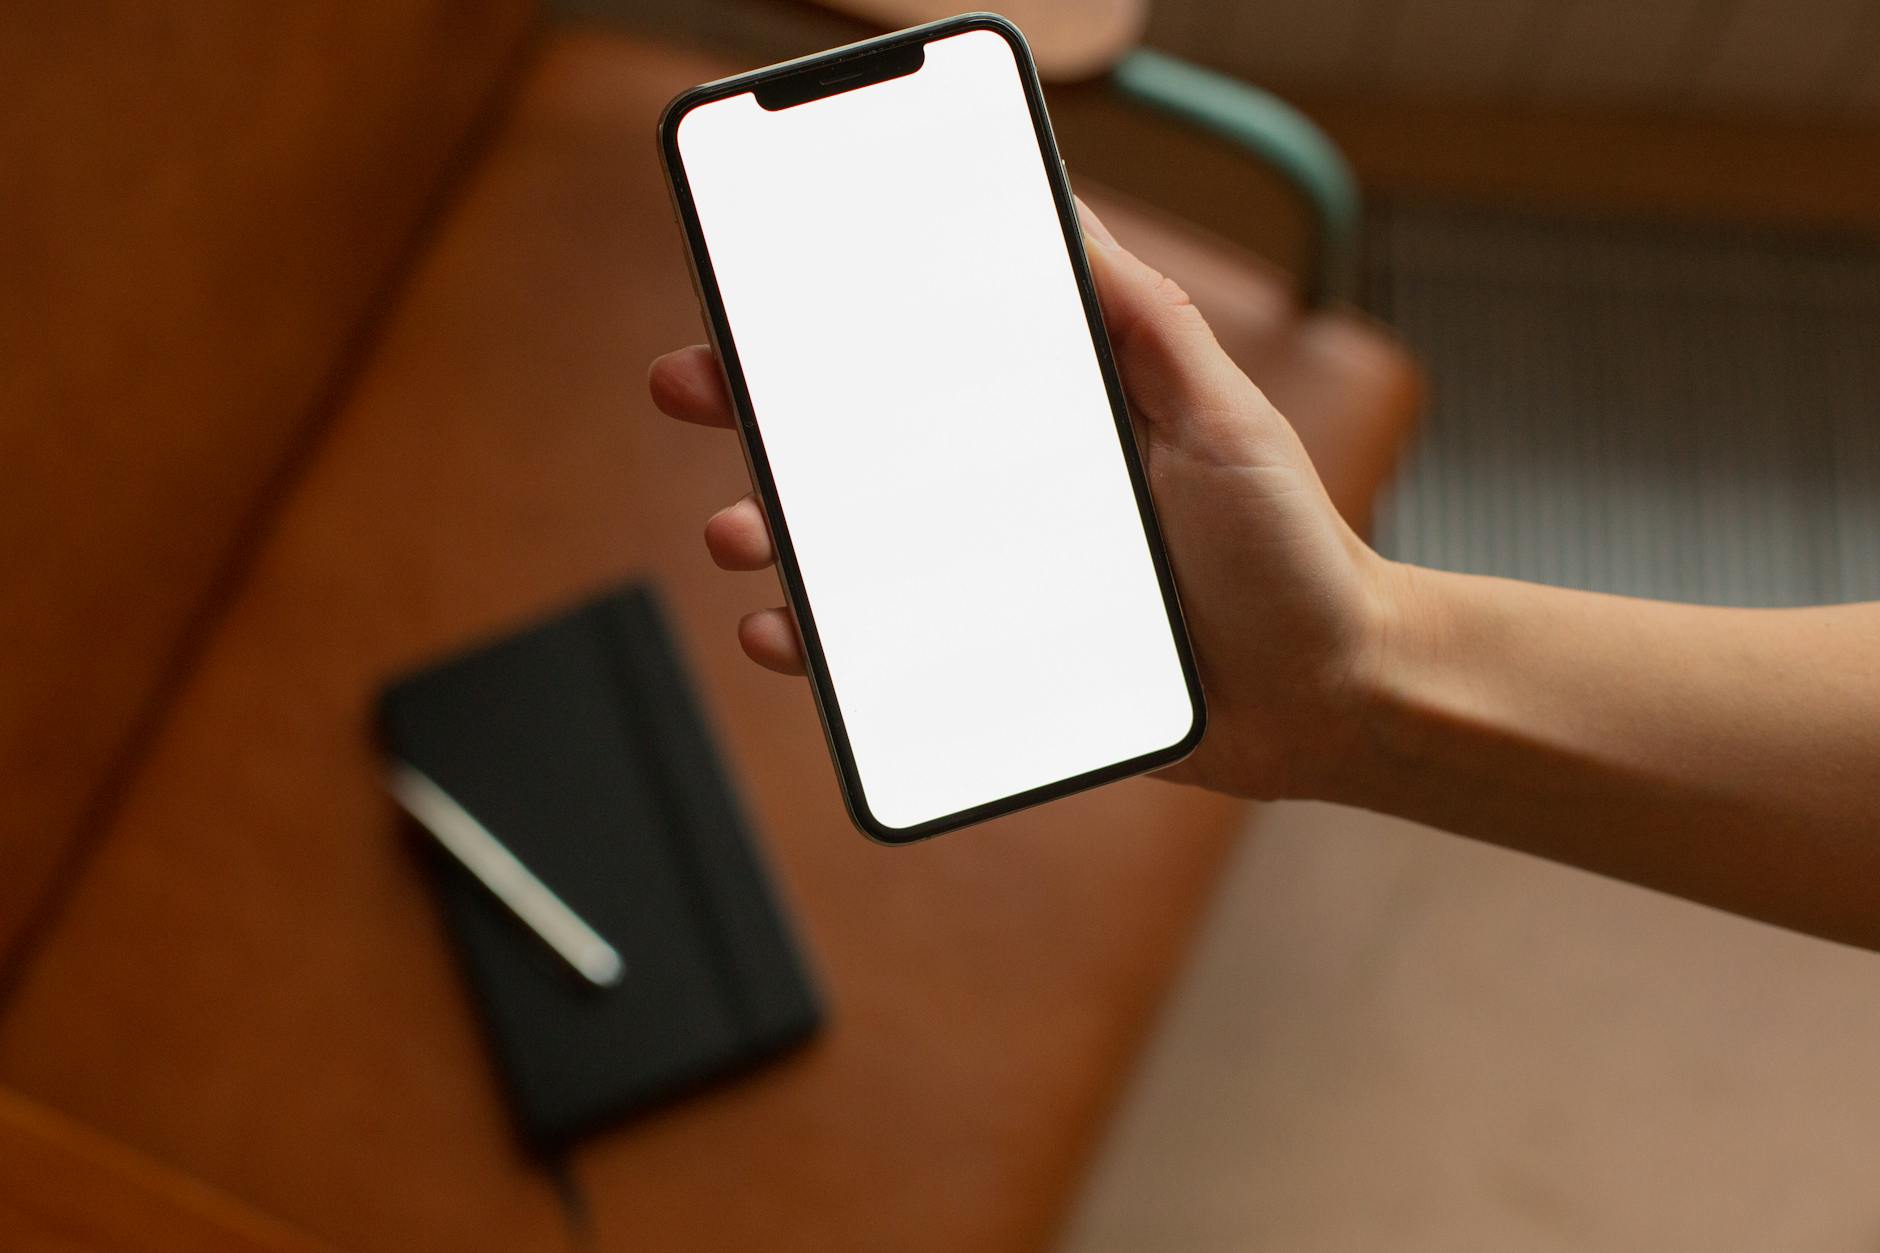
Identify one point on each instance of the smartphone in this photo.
(892, 272)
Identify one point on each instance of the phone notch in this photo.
(832, 78)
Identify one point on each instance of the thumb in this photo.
(1179, 379)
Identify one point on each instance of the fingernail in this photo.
(1094, 229)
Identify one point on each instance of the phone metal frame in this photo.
(789, 81)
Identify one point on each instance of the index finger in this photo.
(688, 385)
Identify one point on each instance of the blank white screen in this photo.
(924, 383)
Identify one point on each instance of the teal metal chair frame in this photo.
(1274, 133)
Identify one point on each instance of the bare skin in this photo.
(1728, 756)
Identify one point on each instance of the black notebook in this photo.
(579, 745)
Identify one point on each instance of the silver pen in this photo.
(511, 882)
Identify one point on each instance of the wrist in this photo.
(1403, 620)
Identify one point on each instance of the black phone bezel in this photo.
(809, 78)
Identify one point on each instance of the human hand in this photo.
(1285, 604)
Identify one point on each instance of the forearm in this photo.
(1730, 756)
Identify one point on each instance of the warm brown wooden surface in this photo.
(1732, 169)
(1798, 58)
(250, 983)
(200, 203)
(64, 1189)
(1069, 38)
